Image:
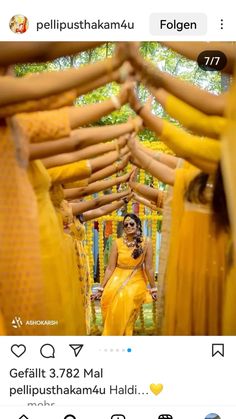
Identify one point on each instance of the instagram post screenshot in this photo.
(117, 210)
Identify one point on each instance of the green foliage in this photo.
(162, 57)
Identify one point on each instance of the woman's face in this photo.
(130, 226)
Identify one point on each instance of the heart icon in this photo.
(156, 388)
(18, 350)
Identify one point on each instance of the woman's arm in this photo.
(95, 164)
(115, 75)
(87, 114)
(192, 50)
(94, 187)
(193, 119)
(149, 269)
(144, 190)
(96, 135)
(67, 145)
(190, 147)
(164, 158)
(84, 154)
(81, 207)
(100, 212)
(162, 172)
(144, 202)
(22, 52)
(15, 90)
(189, 93)
(110, 170)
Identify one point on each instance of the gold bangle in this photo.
(157, 156)
(116, 102)
(123, 73)
(117, 148)
(117, 166)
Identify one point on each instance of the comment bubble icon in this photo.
(47, 351)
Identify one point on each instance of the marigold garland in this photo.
(101, 249)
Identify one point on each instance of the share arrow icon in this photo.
(76, 349)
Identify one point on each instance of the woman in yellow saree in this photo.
(124, 287)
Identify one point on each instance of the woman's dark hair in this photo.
(138, 250)
(195, 193)
(196, 189)
(219, 203)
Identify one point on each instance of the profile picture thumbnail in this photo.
(19, 24)
(212, 416)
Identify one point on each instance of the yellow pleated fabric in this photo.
(229, 316)
(229, 173)
(163, 256)
(53, 258)
(190, 146)
(121, 301)
(73, 292)
(21, 286)
(70, 172)
(48, 103)
(76, 267)
(196, 272)
(193, 119)
(61, 174)
(2, 327)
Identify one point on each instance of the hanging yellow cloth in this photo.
(123, 294)
(61, 174)
(55, 272)
(229, 173)
(196, 271)
(21, 286)
(77, 231)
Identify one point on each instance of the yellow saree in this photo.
(124, 293)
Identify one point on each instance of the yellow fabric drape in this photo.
(229, 173)
(196, 271)
(21, 285)
(120, 304)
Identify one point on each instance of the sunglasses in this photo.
(131, 224)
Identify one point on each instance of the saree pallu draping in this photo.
(124, 293)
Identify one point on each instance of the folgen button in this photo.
(172, 24)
